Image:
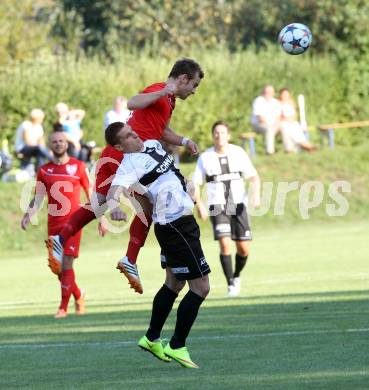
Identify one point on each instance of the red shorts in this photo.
(71, 247)
(106, 167)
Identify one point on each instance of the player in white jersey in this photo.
(224, 167)
(147, 169)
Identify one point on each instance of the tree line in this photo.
(32, 28)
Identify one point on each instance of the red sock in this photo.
(80, 218)
(67, 282)
(138, 233)
(75, 291)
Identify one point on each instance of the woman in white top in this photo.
(29, 140)
(289, 122)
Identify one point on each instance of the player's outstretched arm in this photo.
(143, 100)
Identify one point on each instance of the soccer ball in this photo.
(295, 38)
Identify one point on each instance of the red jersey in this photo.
(150, 122)
(63, 187)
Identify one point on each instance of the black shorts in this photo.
(181, 248)
(235, 226)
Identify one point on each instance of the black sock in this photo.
(226, 262)
(240, 264)
(186, 316)
(161, 307)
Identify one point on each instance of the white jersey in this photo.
(152, 172)
(224, 175)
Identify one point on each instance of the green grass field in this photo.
(301, 321)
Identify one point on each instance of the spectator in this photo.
(71, 120)
(290, 125)
(266, 113)
(30, 142)
(119, 113)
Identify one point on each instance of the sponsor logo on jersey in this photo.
(165, 165)
(71, 169)
(50, 170)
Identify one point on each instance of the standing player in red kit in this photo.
(61, 180)
(152, 111)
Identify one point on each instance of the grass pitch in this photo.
(301, 321)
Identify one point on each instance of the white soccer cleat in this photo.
(55, 251)
(232, 291)
(237, 285)
(131, 273)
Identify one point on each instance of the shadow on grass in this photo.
(239, 344)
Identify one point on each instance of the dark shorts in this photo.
(235, 226)
(181, 248)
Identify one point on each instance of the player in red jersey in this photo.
(61, 180)
(152, 111)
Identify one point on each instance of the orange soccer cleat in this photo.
(55, 254)
(61, 313)
(79, 304)
(131, 273)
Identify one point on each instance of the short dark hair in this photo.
(111, 133)
(188, 67)
(57, 126)
(217, 123)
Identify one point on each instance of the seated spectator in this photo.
(266, 113)
(290, 125)
(30, 142)
(71, 120)
(265, 117)
(119, 112)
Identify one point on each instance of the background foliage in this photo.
(86, 52)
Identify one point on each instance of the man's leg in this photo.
(241, 234)
(68, 285)
(186, 316)
(270, 132)
(138, 231)
(83, 216)
(243, 248)
(188, 309)
(79, 219)
(222, 231)
(226, 258)
(241, 260)
(139, 228)
(162, 306)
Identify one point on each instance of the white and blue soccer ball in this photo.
(295, 38)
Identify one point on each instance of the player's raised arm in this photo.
(143, 100)
(172, 138)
